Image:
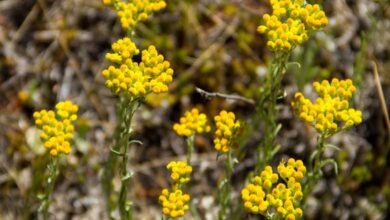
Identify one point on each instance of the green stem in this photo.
(315, 172)
(53, 173)
(126, 110)
(190, 148)
(225, 190)
(267, 111)
(125, 206)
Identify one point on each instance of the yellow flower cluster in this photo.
(330, 112)
(181, 171)
(151, 75)
(294, 168)
(262, 196)
(192, 122)
(132, 12)
(226, 129)
(291, 23)
(175, 203)
(57, 127)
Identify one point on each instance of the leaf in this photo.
(294, 64)
(128, 176)
(330, 161)
(332, 147)
(136, 142)
(312, 156)
(277, 129)
(275, 150)
(116, 152)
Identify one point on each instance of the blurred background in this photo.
(54, 50)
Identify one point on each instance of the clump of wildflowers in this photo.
(264, 195)
(192, 122)
(290, 23)
(175, 203)
(181, 171)
(151, 75)
(226, 129)
(330, 112)
(132, 12)
(57, 127)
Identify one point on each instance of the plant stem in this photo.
(225, 189)
(125, 206)
(127, 107)
(315, 169)
(267, 111)
(190, 148)
(53, 173)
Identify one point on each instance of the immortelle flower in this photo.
(291, 23)
(57, 127)
(192, 122)
(227, 127)
(264, 195)
(175, 203)
(151, 75)
(180, 171)
(132, 12)
(330, 113)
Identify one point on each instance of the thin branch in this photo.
(381, 96)
(225, 96)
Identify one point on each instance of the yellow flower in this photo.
(151, 75)
(226, 129)
(261, 196)
(132, 12)
(294, 168)
(181, 171)
(57, 127)
(192, 122)
(290, 23)
(330, 112)
(174, 204)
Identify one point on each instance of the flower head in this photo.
(226, 129)
(265, 195)
(192, 122)
(151, 75)
(132, 12)
(181, 171)
(175, 203)
(330, 112)
(57, 127)
(290, 23)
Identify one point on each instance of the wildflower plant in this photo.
(276, 195)
(174, 201)
(57, 132)
(191, 123)
(290, 24)
(224, 140)
(329, 114)
(130, 13)
(131, 81)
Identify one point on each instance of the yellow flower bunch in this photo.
(226, 129)
(330, 112)
(192, 122)
(262, 197)
(151, 75)
(290, 23)
(57, 127)
(174, 204)
(181, 171)
(294, 168)
(132, 12)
